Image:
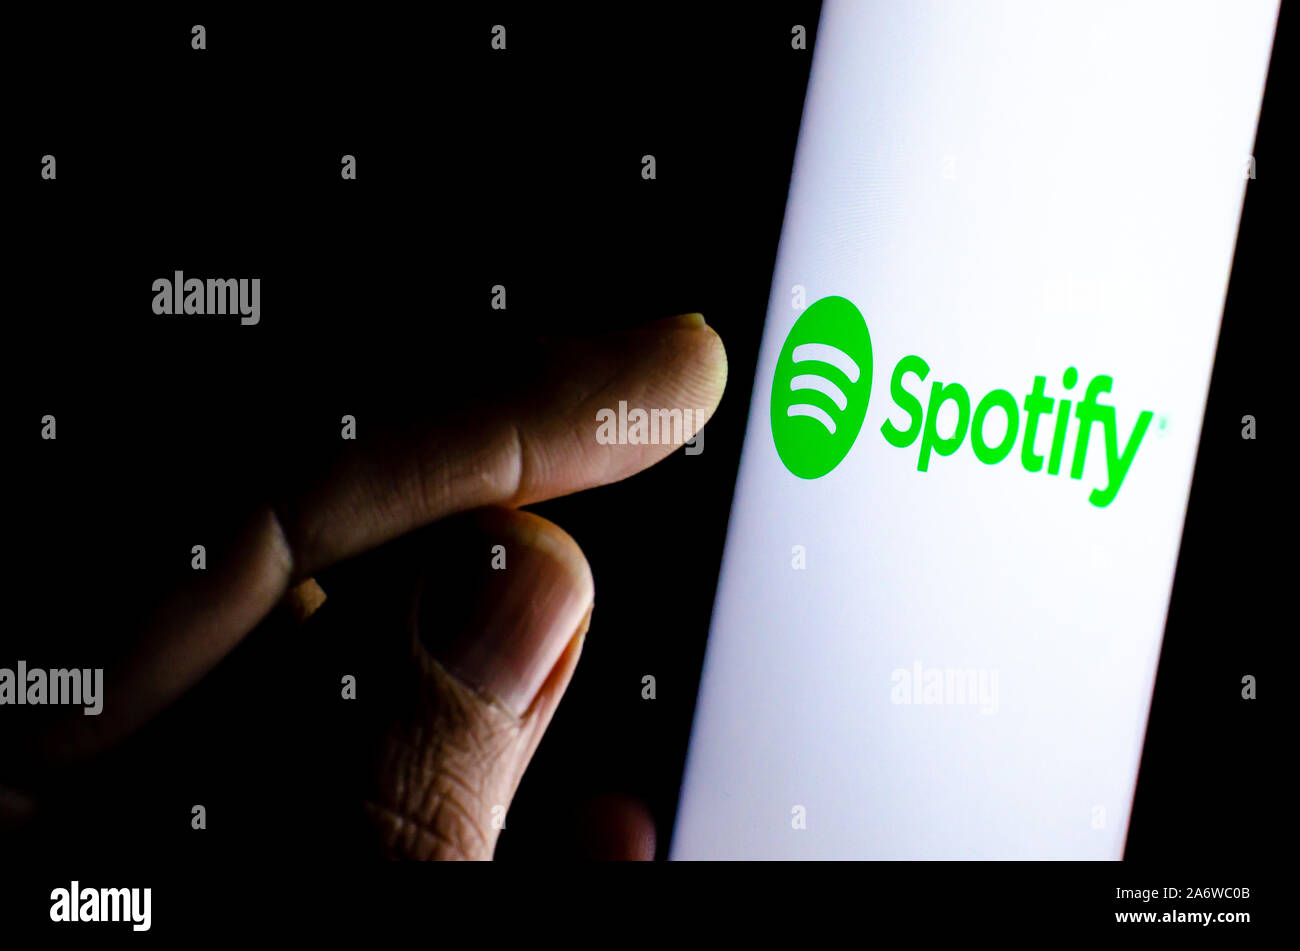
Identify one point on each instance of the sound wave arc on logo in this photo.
(821, 353)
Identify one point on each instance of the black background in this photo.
(477, 168)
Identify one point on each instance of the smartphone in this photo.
(978, 401)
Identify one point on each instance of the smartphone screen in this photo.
(978, 401)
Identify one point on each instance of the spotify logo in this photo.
(821, 388)
(823, 382)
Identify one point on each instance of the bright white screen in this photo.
(1007, 190)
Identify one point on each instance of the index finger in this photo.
(542, 444)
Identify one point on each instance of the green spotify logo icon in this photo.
(822, 384)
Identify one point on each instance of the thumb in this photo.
(498, 614)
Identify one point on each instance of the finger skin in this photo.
(618, 829)
(542, 447)
(188, 635)
(451, 758)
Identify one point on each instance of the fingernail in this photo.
(501, 616)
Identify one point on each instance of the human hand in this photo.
(475, 658)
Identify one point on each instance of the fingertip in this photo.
(502, 610)
(544, 536)
(714, 360)
(693, 363)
